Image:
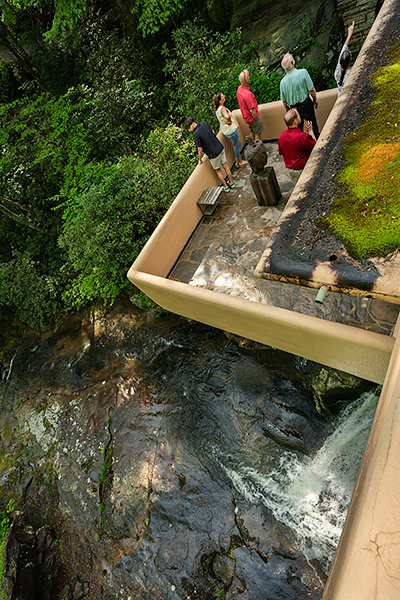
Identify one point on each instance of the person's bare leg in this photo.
(221, 176)
(228, 171)
(258, 136)
(239, 163)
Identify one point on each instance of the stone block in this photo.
(266, 188)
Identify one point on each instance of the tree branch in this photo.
(19, 219)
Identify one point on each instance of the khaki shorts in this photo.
(256, 127)
(218, 160)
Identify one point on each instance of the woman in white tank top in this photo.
(229, 126)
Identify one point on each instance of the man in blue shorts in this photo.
(208, 143)
(297, 91)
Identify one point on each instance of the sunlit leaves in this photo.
(198, 64)
(153, 14)
(108, 219)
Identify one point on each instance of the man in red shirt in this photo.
(294, 145)
(249, 107)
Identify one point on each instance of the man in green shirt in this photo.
(297, 91)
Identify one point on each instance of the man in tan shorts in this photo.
(207, 142)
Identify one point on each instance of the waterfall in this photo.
(312, 494)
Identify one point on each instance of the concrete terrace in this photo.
(222, 254)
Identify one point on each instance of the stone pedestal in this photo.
(266, 187)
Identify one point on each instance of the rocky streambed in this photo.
(154, 458)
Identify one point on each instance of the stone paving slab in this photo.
(222, 255)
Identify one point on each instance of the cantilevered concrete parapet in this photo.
(362, 353)
(367, 561)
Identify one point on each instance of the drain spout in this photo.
(320, 297)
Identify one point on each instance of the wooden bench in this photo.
(209, 200)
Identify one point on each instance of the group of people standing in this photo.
(300, 100)
(299, 97)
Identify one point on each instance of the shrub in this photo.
(198, 64)
(34, 296)
(107, 222)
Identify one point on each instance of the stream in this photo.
(174, 463)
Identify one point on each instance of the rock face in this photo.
(124, 435)
(329, 387)
(29, 560)
(312, 30)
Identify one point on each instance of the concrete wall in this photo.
(169, 238)
(367, 560)
(353, 350)
(348, 349)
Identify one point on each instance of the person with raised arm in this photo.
(343, 67)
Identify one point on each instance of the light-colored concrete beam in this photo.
(362, 353)
(367, 561)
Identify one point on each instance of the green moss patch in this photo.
(367, 216)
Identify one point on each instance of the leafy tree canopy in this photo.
(92, 150)
(154, 14)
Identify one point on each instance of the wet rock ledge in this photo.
(114, 431)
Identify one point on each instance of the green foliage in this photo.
(34, 295)
(143, 301)
(122, 89)
(5, 522)
(367, 218)
(45, 143)
(90, 159)
(153, 15)
(200, 63)
(44, 149)
(103, 472)
(109, 219)
(265, 84)
(67, 14)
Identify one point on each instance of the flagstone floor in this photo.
(222, 254)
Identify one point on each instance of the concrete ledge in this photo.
(169, 238)
(362, 353)
(367, 562)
